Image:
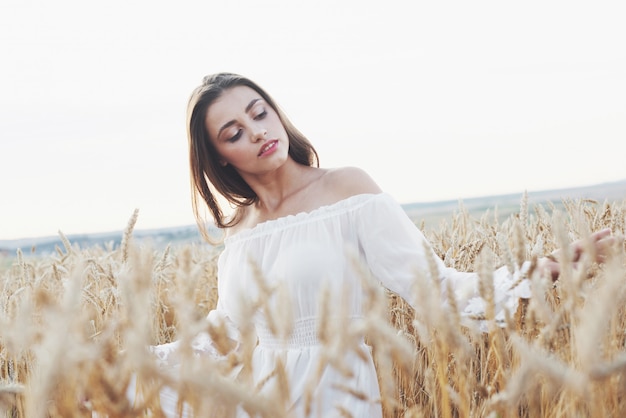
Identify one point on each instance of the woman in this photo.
(304, 229)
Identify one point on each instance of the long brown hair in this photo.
(204, 162)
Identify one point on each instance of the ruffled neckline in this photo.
(332, 209)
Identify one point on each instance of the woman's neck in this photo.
(280, 191)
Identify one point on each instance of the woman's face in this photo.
(246, 132)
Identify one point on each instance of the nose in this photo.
(259, 134)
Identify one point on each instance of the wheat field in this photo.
(74, 327)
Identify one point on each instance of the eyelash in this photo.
(235, 137)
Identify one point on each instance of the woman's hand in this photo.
(600, 244)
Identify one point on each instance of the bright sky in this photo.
(436, 100)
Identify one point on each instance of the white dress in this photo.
(303, 253)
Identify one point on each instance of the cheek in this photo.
(278, 122)
(235, 155)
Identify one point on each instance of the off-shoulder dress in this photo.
(304, 253)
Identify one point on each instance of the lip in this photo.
(268, 148)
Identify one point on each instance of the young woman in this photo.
(304, 229)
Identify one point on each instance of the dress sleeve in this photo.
(395, 251)
(218, 318)
(202, 344)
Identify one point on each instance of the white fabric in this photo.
(300, 255)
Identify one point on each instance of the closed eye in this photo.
(236, 136)
(261, 115)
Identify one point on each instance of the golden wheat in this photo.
(75, 327)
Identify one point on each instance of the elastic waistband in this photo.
(303, 334)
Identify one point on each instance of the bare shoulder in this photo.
(350, 181)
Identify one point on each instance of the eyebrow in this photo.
(232, 122)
